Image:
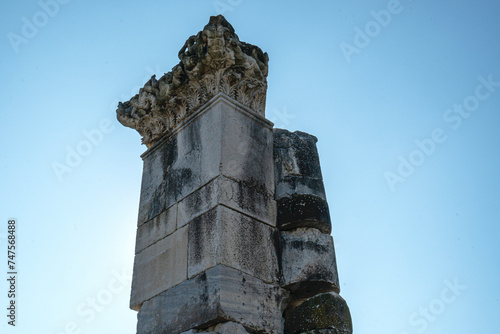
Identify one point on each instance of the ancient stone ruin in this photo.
(234, 229)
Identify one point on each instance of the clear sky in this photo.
(404, 97)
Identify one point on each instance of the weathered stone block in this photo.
(217, 295)
(225, 236)
(300, 193)
(303, 211)
(236, 195)
(151, 202)
(296, 184)
(252, 201)
(172, 170)
(325, 313)
(247, 147)
(224, 328)
(308, 262)
(223, 137)
(200, 201)
(159, 267)
(229, 328)
(156, 229)
(297, 167)
(183, 177)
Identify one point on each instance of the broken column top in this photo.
(211, 62)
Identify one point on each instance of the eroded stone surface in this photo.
(225, 236)
(170, 172)
(308, 262)
(224, 328)
(233, 194)
(326, 311)
(297, 167)
(299, 192)
(303, 211)
(213, 61)
(217, 295)
(204, 149)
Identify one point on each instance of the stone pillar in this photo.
(218, 226)
(307, 255)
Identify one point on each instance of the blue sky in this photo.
(406, 110)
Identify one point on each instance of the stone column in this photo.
(307, 255)
(216, 235)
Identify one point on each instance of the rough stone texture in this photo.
(322, 331)
(200, 166)
(217, 295)
(228, 328)
(224, 328)
(303, 211)
(300, 194)
(225, 236)
(308, 262)
(213, 61)
(159, 267)
(207, 146)
(172, 170)
(156, 229)
(297, 167)
(327, 312)
(236, 195)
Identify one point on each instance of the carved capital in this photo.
(213, 61)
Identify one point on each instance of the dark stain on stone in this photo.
(314, 185)
(326, 311)
(309, 245)
(303, 211)
(199, 231)
(194, 135)
(170, 154)
(157, 204)
(299, 147)
(177, 179)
